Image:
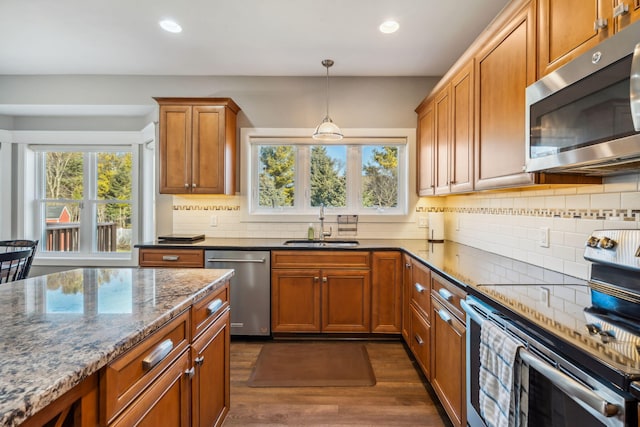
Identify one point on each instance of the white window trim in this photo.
(251, 136)
(142, 144)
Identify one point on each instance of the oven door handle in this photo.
(570, 386)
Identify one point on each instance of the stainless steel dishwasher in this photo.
(250, 289)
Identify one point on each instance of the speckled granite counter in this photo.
(57, 330)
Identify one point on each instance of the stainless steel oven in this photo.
(579, 339)
(585, 116)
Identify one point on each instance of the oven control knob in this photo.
(592, 328)
(607, 243)
(592, 241)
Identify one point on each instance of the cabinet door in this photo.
(208, 160)
(504, 68)
(295, 300)
(420, 342)
(448, 376)
(406, 298)
(175, 149)
(568, 28)
(426, 149)
(210, 384)
(421, 288)
(386, 294)
(630, 16)
(442, 107)
(346, 300)
(164, 403)
(461, 152)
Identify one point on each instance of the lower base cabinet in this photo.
(420, 341)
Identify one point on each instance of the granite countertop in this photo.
(60, 328)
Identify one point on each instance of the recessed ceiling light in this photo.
(389, 27)
(170, 26)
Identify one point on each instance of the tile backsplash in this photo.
(509, 223)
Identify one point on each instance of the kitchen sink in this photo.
(322, 243)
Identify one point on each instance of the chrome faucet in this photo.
(323, 233)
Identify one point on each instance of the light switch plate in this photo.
(423, 222)
(543, 237)
(214, 221)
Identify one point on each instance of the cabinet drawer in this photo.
(449, 295)
(129, 375)
(208, 309)
(421, 288)
(421, 341)
(320, 259)
(171, 258)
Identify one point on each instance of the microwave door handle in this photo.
(634, 88)
(570, 386)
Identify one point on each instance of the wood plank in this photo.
(401, 397)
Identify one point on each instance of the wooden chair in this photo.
(19, 245)
(13, 265)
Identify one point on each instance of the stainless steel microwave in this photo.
(585, 116)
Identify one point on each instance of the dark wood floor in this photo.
(401, 396)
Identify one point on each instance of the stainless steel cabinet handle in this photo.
(190, 372)
(570, 386)
(199, 360)
(599, 24)
(324, 280)
(634, 88)
(186, 185)
(316, 278)
(418, 339)
(419, 288)
(260, 261)
(158, 354)
(193, 185)
(444, 315)
(170, 257)
(448, 296)
(620, 9)
(214, 306)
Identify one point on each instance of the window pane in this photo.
(276, 185)
(114, 176)
(379, 176)
(328, 175)
(113, 227)
(64, 175)
(62, 228)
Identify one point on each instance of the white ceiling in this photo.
(238, 37)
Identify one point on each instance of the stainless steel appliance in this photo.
(250, 289)
(585, 116)
(582, 346)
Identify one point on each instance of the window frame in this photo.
(252, 138)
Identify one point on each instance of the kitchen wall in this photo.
(510, 222)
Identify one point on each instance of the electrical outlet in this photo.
(457, 224)
(423, 222)
(214, 221)
(544, 296)
(543, 237)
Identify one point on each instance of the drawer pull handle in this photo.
(199, 360)
(444, 316)
(214, 306)
(448, 296)
(157, 355)
(170, 257)
(190, 372)
(418, 339)
(419, 288)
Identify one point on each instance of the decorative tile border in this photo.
(205, 208)
(597, 214)
(429, 209)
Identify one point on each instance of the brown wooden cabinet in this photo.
(631, 13)
(179, 258)
(461, 147)
(426, 149)
(406, 297)
(320, 291)
(442, 108)
(417, 287)
(504, 68)
(448, 364)
(386, 292)
(197, 145)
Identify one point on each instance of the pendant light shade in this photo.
(327, 130)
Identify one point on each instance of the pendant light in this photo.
(327, 130)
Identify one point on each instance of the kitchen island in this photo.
(63, 329)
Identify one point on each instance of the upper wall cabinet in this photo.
(197, 145)
(568, 28)
(504, 68)
(426, 148)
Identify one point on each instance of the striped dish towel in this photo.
(499, 395)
